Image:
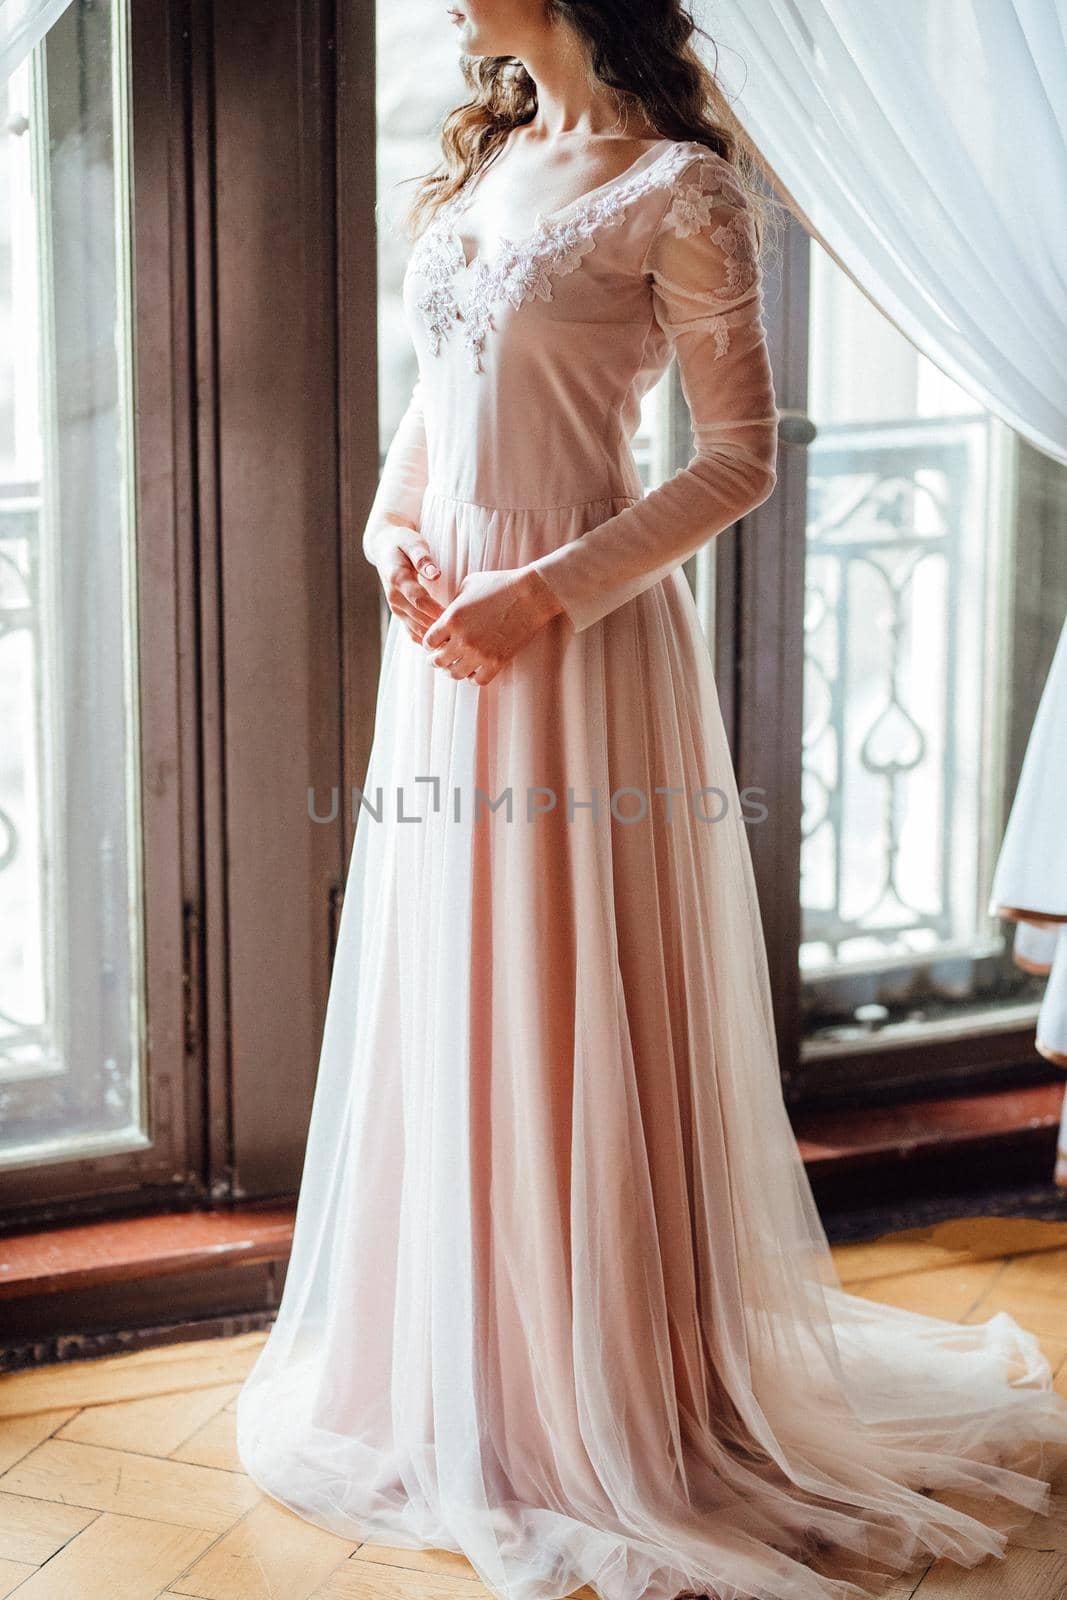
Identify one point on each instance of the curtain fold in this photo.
(925, 147)
(24, 23)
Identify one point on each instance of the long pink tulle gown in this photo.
(559, 1297)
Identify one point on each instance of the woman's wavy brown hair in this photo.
(643, 52)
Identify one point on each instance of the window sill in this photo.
(122, 1249)
(948, 1145)
(126, 1282)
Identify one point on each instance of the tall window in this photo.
(930, 613)
(71, 993)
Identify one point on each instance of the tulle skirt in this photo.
(559, 1297)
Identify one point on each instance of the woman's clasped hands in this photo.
(488, 620)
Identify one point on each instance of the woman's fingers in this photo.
(421, 557)
(461, 661)
(448, 656)
(458, 660)
(406, 569)
(415, 624)
(405, 590)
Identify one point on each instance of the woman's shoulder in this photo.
(689, 163)
(695, 190)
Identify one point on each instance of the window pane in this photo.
(931, 615)
(71, 1053)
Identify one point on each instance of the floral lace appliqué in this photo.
(712, 189)
(693, 201)
(437, 260)
(737, 243)
(518, 270)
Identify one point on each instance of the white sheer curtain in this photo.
(925, 147)
(23, 23)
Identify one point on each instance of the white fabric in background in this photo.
(1042, 948)
(925, 147)
(1052, 1020)
(1031, 871)
(1035, 947)
(24, 23)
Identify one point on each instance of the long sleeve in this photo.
(398, 500)
(707, 296)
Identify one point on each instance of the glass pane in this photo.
(932, 612)
(71, 1053)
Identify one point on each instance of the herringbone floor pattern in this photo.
(119, 1479)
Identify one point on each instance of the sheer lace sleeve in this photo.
(398, 501)
(707, 295)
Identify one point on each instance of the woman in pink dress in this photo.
(559, 1297)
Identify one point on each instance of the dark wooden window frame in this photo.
(283, 241)
(168, 1165)
(257, 459)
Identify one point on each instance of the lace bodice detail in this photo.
(535, 355)
(704, 195)
(710, 188)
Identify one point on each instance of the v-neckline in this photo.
(542, 219)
